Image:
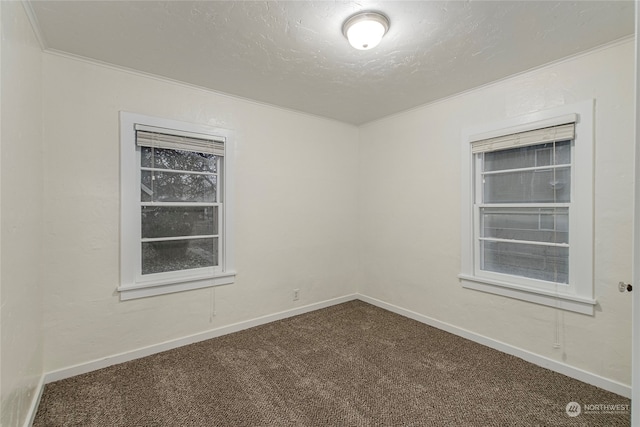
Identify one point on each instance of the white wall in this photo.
(20, 213)
(409, 213)
(296, 207)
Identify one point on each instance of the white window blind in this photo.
(522, 139)
(148, 136)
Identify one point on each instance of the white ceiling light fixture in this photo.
(365, 30)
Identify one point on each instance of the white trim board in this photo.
(542, 361)
(35, 402)
(115, 359)
(553, 365)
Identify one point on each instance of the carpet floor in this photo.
(352, 364)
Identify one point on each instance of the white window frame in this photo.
(132, 283)
(577, 295)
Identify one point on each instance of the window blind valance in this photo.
(148, 136)
(522, 139)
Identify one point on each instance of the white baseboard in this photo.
(35, 402)
(579, 374)
(93, 365)
(545, 362)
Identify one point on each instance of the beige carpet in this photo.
(348, 365)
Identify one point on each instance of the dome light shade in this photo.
(365, 30)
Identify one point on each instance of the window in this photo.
(176, 202)
(528, 208)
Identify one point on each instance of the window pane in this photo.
(177, 221)
(157, 186)
(563, 153)
(174, 255)
(531, 224)
(536, 262)
(542, 186)
(528, 157)
(178, 160)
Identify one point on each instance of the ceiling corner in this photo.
(33, 19)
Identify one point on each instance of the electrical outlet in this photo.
(296, 294)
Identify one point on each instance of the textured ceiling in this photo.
(293, 54)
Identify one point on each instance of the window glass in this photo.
(173, 255)
(159, 186)
(529, 186)
(526, 241)
(173, 221)
(535, 262)
(160, 158)
(185, 236)
(530, 224)
(558, 153)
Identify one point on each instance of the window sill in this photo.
(562, 301)
(142, 290)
